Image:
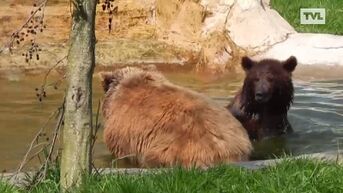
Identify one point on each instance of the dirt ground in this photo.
(132, 39)
(129, 22)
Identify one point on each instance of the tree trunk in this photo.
(76, 153)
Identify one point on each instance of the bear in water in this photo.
(263, 102)
(163, 125)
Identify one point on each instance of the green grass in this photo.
(290, 10)
(5, 188)
(289, 176)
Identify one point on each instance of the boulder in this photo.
(309, 48)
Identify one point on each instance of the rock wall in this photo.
(213, 34)
(220, 30)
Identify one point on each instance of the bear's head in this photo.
(127, 77)
(268, 84)
(110, 80)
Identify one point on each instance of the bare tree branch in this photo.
(15, 34)
(24, 161)
(42, 171)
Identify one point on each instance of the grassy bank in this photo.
(289, 176)
(290, 10)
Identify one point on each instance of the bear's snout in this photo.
(259, 96)
(262, 97)
(262, 92)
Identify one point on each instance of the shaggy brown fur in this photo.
(166, 125)
(267, 93)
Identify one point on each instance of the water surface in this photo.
(316, 116)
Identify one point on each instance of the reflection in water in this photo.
(316, 116)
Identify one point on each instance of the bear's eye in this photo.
(256, 79)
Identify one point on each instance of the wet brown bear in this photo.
(166, 125)
(262, 104)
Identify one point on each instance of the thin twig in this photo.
(120, 158)
(95, 129)
(24, 161)
(42, 91)
(56, 131)
(43, 170)
(41, 173)
(9, 44)
(39, 144)
(36, 154)
(95, 169)
(50, 69)
(96, 126)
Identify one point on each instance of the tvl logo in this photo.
(312, 16)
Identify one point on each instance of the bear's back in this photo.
(164, 124)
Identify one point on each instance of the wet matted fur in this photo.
(166, 125)
(267, 94)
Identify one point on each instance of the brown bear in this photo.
(263, 102)
(163, 125)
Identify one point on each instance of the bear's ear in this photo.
(106, 79)
(247, 63)
(290, 64)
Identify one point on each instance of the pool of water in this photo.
(316, 116)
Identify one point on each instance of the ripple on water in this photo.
(316, 116)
